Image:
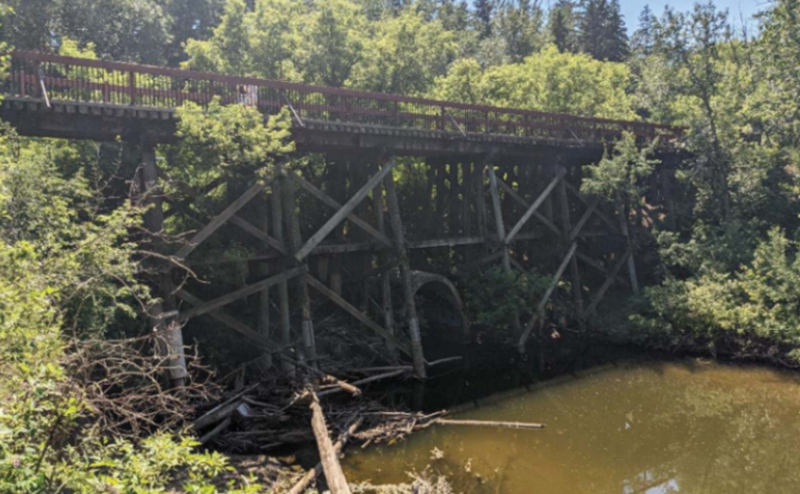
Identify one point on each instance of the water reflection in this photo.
(659, 428)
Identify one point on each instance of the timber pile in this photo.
(280, 413)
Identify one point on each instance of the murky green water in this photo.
(652, 428)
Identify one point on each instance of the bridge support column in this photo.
(405, 276)
(566, 226)
(263, 270)
(169, 333)
(501, 236)
(386, 276)
(276, 207)
(295, 242)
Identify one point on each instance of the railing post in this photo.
(132, 86)
(23, 80)
(442, 117)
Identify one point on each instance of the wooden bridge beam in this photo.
(154, 223)
(405, 271)
(501, 236)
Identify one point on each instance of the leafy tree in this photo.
(561, 82)
(622, 174)
(191, 19)
(404, 56)
(333, 37)
(125, 30)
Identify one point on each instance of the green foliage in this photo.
(68, 270)
(751, 311)
(621, 176)
(231, 139)
(404, 56)
(494, 297)
(546, 81)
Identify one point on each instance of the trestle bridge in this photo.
(498, 185)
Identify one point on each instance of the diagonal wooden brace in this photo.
(324, 290)
(348, 208)
(220, 219)
(510, 191)
(234, 324)
(606, 285)
(599, 213)
(539, 314)
(329, 201)
(241, 293)
(532, 209)
(581, 222)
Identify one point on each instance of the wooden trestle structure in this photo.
(491, 185)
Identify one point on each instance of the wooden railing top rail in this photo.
(188, 75)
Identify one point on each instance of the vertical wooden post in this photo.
(154, 223)
(623, 223)
(386, 276)
(566, 226)
(338, 186)
(405, 275)
(283, 287)
(294, 244)
(501, 236)
(464, 188)
(480, 199)
(263, 270)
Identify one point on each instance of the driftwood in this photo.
(317, 470)
(327, 454)
(216, 431)
(223, 410)
(489, 423)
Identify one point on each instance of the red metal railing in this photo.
(112, 83)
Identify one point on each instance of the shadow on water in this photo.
(643, 425)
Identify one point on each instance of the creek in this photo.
(653, 427)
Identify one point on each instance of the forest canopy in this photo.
(726, 266)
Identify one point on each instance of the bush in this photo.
(753, 311)
(494, 297)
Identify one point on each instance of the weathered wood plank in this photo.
(532, 209)
(599, 213)
(349, 308)
(258, 233)
(220, 219)
(340, 215)
(417, 355)
(606, 285)
(586, 215)
(501, 235)
(329, 201)
(511, 192)
(539, 314)
(241, 293)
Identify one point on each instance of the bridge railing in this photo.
(120, 84)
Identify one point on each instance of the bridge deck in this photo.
(48, 95)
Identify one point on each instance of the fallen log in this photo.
(367, 370)
(489, 423)
(334, 475)
(223, 410)
(345, 386)
(216, 430)
(309, 477)
(444, 361)
(367, 380)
